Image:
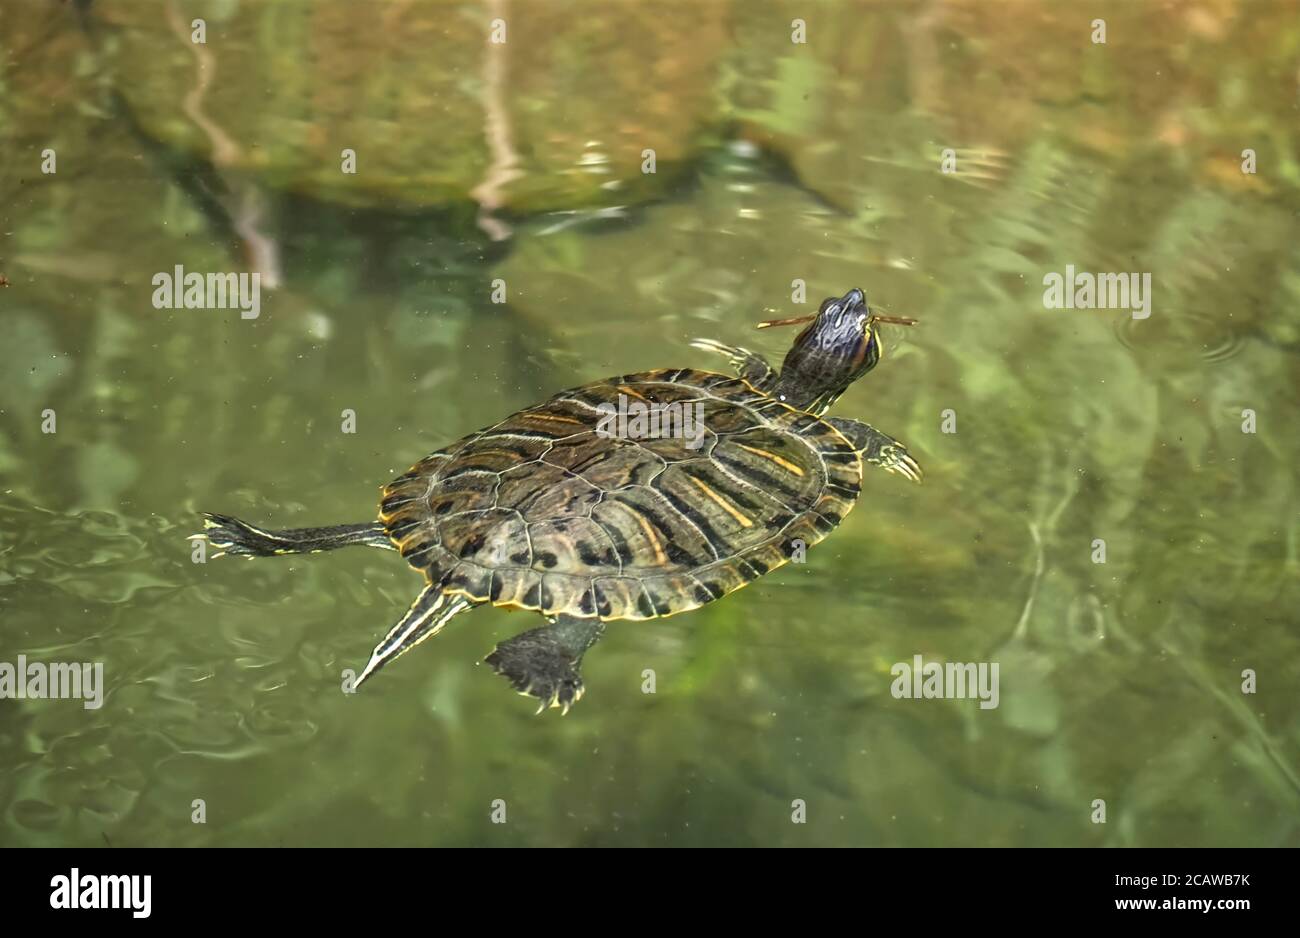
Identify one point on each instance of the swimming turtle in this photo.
(584, 509)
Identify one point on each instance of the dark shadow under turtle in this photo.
(637, 497)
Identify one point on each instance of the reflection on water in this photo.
(775, 160)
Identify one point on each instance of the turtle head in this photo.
(837, 348)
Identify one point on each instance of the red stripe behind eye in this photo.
(860, 355)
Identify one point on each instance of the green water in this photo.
(521, 163)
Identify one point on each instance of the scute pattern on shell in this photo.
(541, 512)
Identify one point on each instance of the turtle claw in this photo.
(735, 356)
(905, 466)
(712, 345)
(559, 689)
(554, 701)
(895, 458)
(565, 700)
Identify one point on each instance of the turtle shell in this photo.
(550, 510)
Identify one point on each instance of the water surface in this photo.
(776, 161)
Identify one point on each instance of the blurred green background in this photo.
(776, 161)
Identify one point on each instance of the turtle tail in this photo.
(232, 536)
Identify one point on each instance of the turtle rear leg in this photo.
(543, 663)
(232, 536)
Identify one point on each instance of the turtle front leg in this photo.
(751, 366)
(543, 663)
(876, 448)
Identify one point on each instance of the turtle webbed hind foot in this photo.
(543, 663)
(538, 669)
